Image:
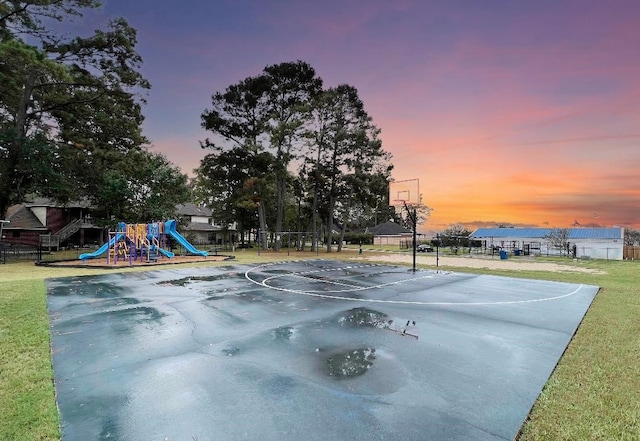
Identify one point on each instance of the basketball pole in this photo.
(415, 236)
(406, 190)
(414, 223)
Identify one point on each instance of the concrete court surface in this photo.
(307, 350)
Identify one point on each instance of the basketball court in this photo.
(313, 350)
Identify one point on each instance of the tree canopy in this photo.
(631, 236)
(71, 108)
(322, 162)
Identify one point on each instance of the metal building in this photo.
(582, 243)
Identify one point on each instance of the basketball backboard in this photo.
(403, 193)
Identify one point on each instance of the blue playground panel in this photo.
(311, 350)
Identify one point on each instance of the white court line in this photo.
(301, 276)
(397, 302)
(354, 287)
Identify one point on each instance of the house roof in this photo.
(46, 202)
(540, 233)
(190, 209)
(22, 218)
(201, 226)
(388, 229)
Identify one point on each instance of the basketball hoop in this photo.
(401, 195)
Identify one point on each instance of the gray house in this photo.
(201, 228)
(594, 243)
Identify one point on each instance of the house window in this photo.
(15, 234)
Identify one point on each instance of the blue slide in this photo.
(165, 253)
(100, 251)
(170, 229)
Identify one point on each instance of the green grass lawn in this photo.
(594, 393)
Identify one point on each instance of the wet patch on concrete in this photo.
(214, 354)
(365, 317)
(284, 333)
(350, 363)
(194, 279)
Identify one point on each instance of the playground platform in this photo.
(311, 350)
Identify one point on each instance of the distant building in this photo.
(390, 233)
(201, 228)
(46, 222)
(594, 243)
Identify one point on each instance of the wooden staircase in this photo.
(68, 230)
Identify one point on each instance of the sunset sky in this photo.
(525, 112)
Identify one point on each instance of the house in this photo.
(201, 228)
(389, 233)
(45, 222)
(582, 242)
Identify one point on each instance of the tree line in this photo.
(286, 154)
(71, 116)
(290, 155)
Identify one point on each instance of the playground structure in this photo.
(142, 242)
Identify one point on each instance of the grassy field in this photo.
(594, 393)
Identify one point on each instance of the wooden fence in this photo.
(631, 252)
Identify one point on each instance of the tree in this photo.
(73, 101)
(233, 184)
(292, 88)
(558, 238)
(455, 236)
(342, 168)
(405, 214)
(157, 187)
(631, 236)
(266, 113)
(346, 156)
(25, 17)
(141, 187)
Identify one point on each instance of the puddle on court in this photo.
(278, 271)
(350, 363)
(230, 350)
(284, 333)
(257, 296)
(100, 290)
(365, 317)
(194, 279)
(96, 410)
(139, 314)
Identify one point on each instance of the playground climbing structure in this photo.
(142, 242)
